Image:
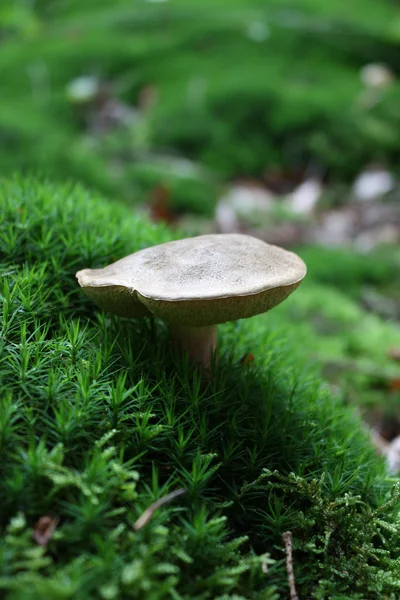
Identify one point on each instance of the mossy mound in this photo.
(98, 419)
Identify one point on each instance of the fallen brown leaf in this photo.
(394, 353)
(247, 359)
(160, 208)
(44, 529)
(395, 384)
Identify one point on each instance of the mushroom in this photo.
(195, 283)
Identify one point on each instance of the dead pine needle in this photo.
(148, 513)
(287, 539)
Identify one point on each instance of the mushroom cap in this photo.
(197, 281)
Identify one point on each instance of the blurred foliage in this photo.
(350, 342)
(349, 270)
(239, 86)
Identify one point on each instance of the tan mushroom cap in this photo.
(197, 281)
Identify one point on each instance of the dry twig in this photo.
(287, 539)
(148, 513)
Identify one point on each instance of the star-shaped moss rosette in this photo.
(195, 283)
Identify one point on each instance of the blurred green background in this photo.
(236, 87)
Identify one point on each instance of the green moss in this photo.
(99, 418)
(350, 345)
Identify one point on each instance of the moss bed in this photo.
(99, 419)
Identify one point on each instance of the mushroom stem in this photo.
(198, 342)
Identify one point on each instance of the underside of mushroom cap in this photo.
(197, 281)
